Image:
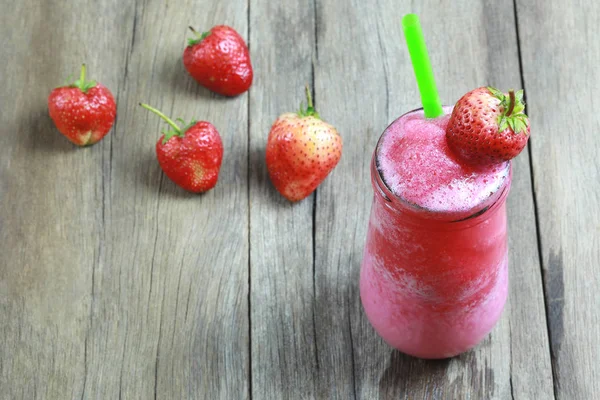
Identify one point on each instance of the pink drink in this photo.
(434, 276)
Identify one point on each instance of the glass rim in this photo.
(402, 205)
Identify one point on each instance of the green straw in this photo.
(420, 61)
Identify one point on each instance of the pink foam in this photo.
(419, 167)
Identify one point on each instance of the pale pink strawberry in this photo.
(301, 151)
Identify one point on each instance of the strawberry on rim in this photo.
(488, 126)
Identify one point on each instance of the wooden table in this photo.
(116, 284)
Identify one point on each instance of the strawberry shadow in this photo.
(40, 135)
(406, 374)
(260, 180)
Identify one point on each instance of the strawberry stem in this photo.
(309, 99)
(199, 36)
(512, 115)
(81, 83)
(310, 110)
(82, 73)
(168, 120)
(512, 101)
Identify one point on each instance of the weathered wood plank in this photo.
(134, 297)
(561, 54)
(177, 304)
(51, 219)
(363, 81)
(281, 233)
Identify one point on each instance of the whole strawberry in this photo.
(301, 151)
(219, 60)
(488, 126)
(190, 156)
(83, 111)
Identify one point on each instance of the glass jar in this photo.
(433, 286)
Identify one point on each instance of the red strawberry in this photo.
(301, 151)
(83, 111)
(488, 126)
(219, 60)
(190, 156)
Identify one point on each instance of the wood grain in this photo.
(119, 284)
(363, 81)
(561, 54)
(284, 361)
(183, 307)
(51, 219)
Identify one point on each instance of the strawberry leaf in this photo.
(517, 123)
(512, 123)
(84, 86)
(521, 126)
(519, 107)
(502, 123)
(81, 83)
(188, 126)
(519, 96)
(169, 133)
(523, 119)
(181, 133)
(199, 37)
(496, 93)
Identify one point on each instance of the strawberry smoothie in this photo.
(434, 275)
